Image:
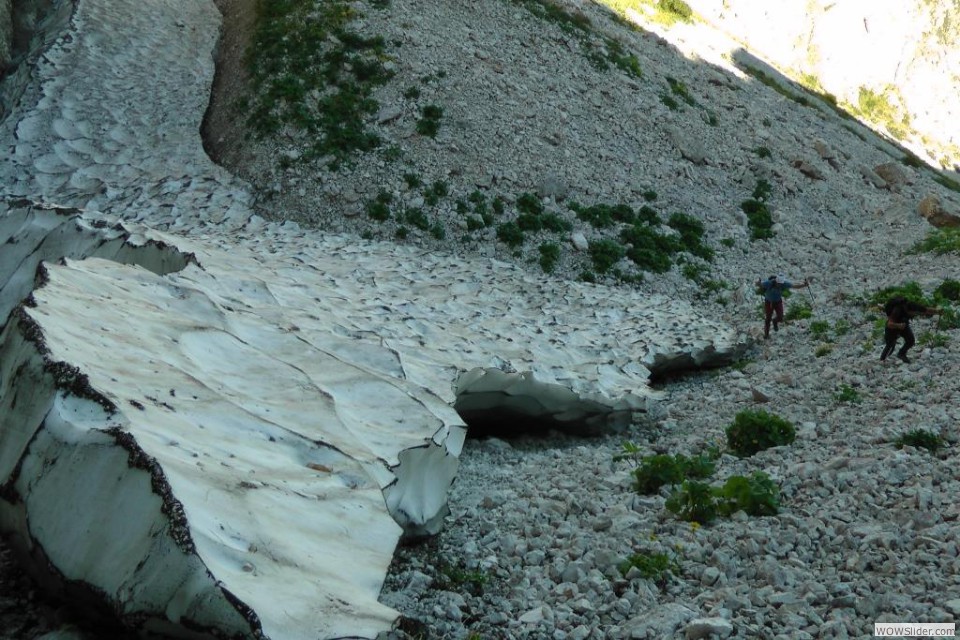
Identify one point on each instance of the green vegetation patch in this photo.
(921, 439)
(429, 122)
(661, 470)
(754, 431)
(310, 72)
(939, 242)
(755, 495)
(658, 567)
(759, 218)
(602, 51)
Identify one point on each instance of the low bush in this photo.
(429, 122)
(605, 253)
(846, 393)
(759, 219)
(753, 431)
(948, 290)
(661, 470)
(657, 567)
(602, 216)
(939, 242)
(920, 439)
(510, 234)
(799, 310)
(694, 501)
(549, 256)
(755, 495)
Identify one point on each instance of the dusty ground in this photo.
(223, 132)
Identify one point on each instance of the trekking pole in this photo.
(810, 293)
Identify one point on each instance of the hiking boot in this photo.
(904, 357)
(776, 326)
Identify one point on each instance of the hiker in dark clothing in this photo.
(899, 310)
(772, 289)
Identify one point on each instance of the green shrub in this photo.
(629, 451)
(413, 180)
(694, 501)
(602, 216)
(800, 310)
(659, 470)
(948, 290)
(510, 234)
(759, 219)
(605, 253)
(434, 192)
(648, 215)
(949, 183)
(529, 222)
(910, 290)
(411, 93)
(555, 223)
(680, 89)
(530, 204)
(379, 209)
(694, 271)
(669, 101)
(756, 495)
(549, 256)
(846, 393)
(920, 439)
(754, 431)
(823, 350)
(429, 122)
(691, 233)
(416, 217)
(763, 152)
(932, 339)
(438, 231)
(649, 250)
(649, 195)
(458, 578)
(656, 567)
(939, 242)
(819, 329)
(763, 190)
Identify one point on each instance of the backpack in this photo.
(893, 303)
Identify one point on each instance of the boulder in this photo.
(933, 212)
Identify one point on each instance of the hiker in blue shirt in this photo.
(773, 289)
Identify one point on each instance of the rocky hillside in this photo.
(588, 112)
(582, 146)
